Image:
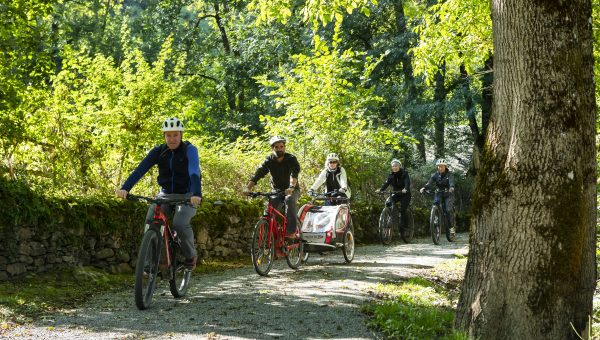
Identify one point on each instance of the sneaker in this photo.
(190, 264)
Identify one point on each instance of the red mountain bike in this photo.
(160, 249)
(268, 239)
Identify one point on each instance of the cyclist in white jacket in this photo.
(334, 176)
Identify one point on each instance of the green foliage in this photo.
(416, 309)
(327, 110)
(455, 32)
(314, 11)
(116, 70)
(25, 64)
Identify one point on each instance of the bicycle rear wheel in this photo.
(435, 224)
(295, 255)
(408, 230)
(263, 248)
(385, 226)
(146, 268)
(179, 276)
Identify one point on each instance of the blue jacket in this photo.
(178, 170)
(443, 181)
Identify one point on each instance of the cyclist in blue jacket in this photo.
(179, 177)
(444, 180)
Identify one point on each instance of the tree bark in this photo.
(531, 269)
(439, 119)
(470, 110)
(412, 94)
(487, 94)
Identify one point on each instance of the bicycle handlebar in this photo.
(436, 191)
(255, 194)
(391, 192)
(324, 196)
(158, 201)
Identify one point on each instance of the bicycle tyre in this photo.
(146, 268)
(435, 224)
(449, 236)
(385, 226)
(348, 248)
(263, 248)
(305, 256)
(408, 231)
(295, 255)
(179, 276)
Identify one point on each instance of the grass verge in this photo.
(420, 307)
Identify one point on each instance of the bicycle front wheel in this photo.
(146, 268)
(435, 224)
(179, 276)
(385, 226)
(408, 231)
(263, 248)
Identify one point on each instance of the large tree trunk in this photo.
(531, 269)
(412, 94)
(439, 118)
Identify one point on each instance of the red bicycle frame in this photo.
(161, 219)
(278, 230)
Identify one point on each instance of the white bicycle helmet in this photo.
(396, 161)
(276, 139)
(441, 161)
(172, 124)
(333, 157)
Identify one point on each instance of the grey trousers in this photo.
(179, 218)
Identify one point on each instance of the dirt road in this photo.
(319, 301)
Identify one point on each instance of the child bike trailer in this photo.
(326, 228)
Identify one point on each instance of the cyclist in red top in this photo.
(284, 169)
(179, 177)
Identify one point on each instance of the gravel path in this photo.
(319, 301)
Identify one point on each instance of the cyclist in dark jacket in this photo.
(284, 169)
(400, 181)
(444, 181)
(179, 176)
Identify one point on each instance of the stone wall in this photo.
(222, 231)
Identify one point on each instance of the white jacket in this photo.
(340, 177)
